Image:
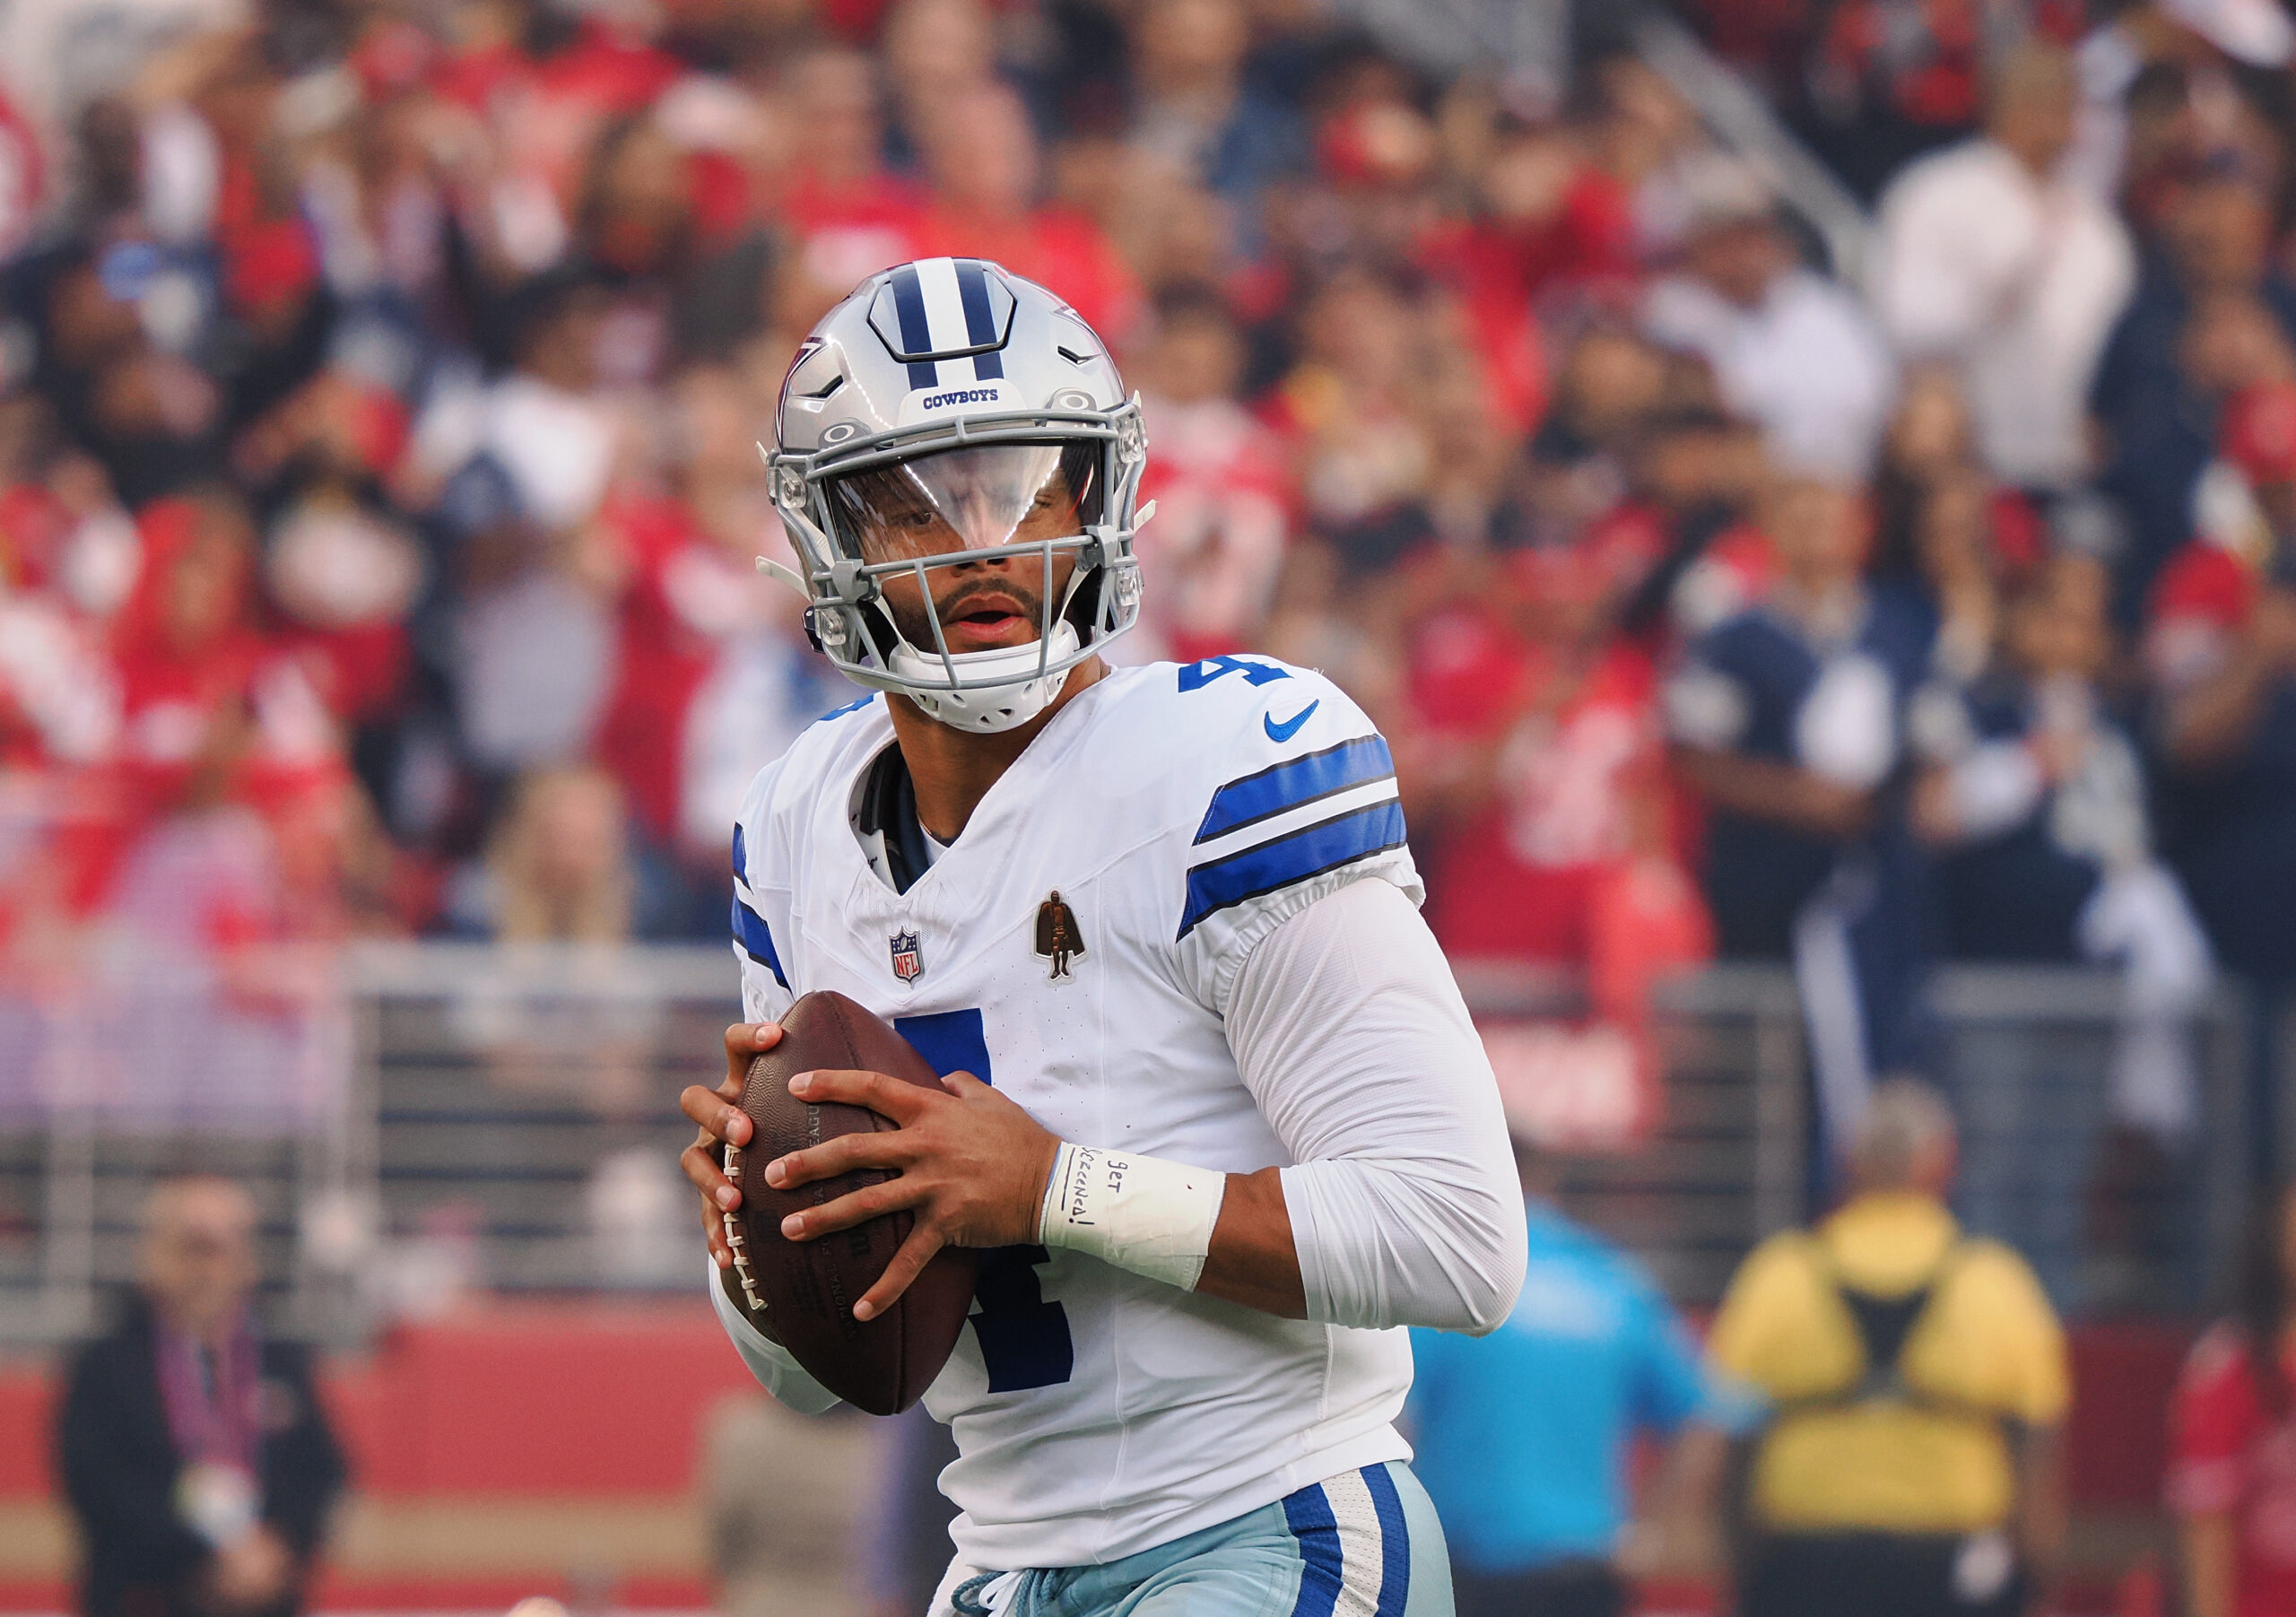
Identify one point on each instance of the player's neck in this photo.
(952, 769)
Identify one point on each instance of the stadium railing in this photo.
(424, 1123)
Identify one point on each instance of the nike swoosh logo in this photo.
(1290, 727)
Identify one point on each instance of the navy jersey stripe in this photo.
(741, 854)
(756, 940)
(1310, 851)
(980, 323)
(1322, 1569)
(915, 333)
(1286, 785)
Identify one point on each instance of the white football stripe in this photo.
(1236, 841)
(945, 305)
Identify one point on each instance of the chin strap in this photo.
(990, 708)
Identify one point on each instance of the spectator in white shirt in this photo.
(1791, 351)
(1991, 259)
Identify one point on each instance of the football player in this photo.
(1212, 1101)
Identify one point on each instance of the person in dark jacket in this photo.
(194, 1453)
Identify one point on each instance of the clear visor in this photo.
(967, 500)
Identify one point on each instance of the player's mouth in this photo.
(988, 623)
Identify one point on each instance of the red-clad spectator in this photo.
(1556, 854)
(186, 651)
(850, 218)
(1571, 788)
(344, 576)
(681, 590)
(706, 690)
(2232, 1476)
(1547, 221)
(982, 156)
(1211, 556)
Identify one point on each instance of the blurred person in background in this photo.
(2231, 1473)
(193, 1450)
(1542, 758)
(1544, 226)
(1353, 414)
(849, 217)
(2036, 802)
(1222, 514)
(558, 865)
(1194, 106)
(2221, 648)
(1787, 719)
(1525, 1437)
(1914, 1380)
(2152, 408)
(1990, 259)
(981, 153)
(1791, 351)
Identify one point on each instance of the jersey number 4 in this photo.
(1196, 676)
(1024, 1340)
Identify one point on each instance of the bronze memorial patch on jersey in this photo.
(1058, 937)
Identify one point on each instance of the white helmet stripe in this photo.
(944, 307)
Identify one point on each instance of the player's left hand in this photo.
(972, 1164)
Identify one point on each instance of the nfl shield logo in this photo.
(908, 965)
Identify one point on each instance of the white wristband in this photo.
(1141, 1213)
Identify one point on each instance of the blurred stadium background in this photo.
(381, 660)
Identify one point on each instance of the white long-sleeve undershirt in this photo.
(1351, 1034)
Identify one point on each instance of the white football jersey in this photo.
(1180, 813)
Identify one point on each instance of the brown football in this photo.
(803, 1292)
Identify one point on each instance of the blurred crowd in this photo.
(380, 381)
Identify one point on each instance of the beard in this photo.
(911, 619)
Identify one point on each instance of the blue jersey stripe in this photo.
(756, 940)
(980, 322)
(1323, 1566)
(1286, 785)
(1326, 844)
(915, 334)
(741, 855)
(1395, 1542)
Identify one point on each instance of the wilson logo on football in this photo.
(909, 963)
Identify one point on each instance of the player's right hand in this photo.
(723, 1123)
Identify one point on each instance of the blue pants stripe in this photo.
(1322, 1569)
(1395, 1542)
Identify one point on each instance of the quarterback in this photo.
(1211, 1102)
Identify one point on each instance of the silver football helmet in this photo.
(949, 414)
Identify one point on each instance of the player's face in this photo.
(969, 500)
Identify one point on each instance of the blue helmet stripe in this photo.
(1296, 781)
(980, 323)
(1309, 852)
(915, 333)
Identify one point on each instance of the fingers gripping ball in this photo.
(805, 1290)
